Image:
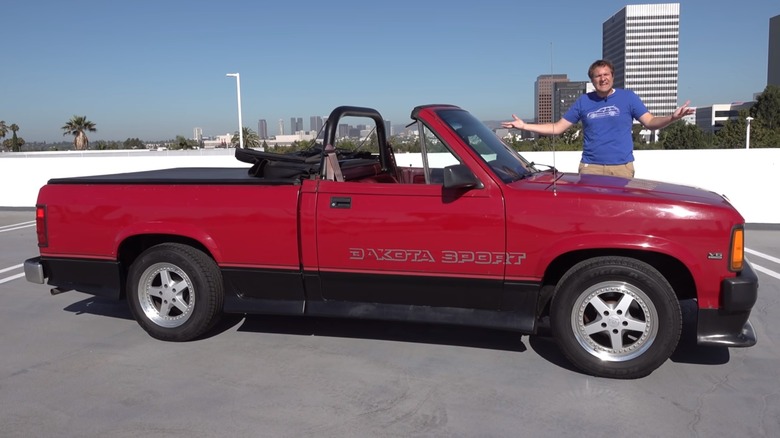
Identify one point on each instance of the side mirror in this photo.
(459, 176)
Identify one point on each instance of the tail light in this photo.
(737, 252)
(40, 226)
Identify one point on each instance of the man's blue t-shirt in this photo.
(606, 123)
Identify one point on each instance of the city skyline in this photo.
(153, 71)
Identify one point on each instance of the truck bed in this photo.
(182, 175)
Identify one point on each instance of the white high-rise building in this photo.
(642, 42)
(281, 127)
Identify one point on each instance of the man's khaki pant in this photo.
(621, 170)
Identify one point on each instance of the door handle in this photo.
(339, 202)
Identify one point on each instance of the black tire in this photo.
(615, 317)
(175, 292)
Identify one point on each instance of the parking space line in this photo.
(11, 278)
(766, 271)
(762, 255)
(18, 226)
(11, 268)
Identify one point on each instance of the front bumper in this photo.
(728, 326)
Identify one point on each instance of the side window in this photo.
(436, 156)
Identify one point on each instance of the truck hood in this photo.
(613, 186)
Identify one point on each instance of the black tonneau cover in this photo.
(180, 175)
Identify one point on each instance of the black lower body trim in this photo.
(440, 315)
(97, 277)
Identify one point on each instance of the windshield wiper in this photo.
(532, 164)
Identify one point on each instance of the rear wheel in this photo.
(175, 292)
(616, 317)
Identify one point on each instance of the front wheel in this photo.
(616, 317)
(175, 292)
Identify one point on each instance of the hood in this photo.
(590, 185)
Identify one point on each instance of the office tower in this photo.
(642, 42)
(343, 130)
(773, 70)
(315, 123)
(197, 134)
(262, 129)
(563, 96)
(281, 127)
(296, 124)
(543, 96)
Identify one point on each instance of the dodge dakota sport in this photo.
(473, 235)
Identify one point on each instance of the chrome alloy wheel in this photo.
(614, 321)
(166, 295)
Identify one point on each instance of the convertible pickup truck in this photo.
(474, 234)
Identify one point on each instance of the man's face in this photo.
(602, 79)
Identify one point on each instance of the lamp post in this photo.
(747, 132)
(238, 92)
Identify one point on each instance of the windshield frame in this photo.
(503, 161)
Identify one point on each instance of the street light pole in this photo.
(747, 132)
(240, 125)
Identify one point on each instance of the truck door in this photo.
(412, 244)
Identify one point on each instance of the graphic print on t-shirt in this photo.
(607, 111)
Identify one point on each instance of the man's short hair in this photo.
(598, 64)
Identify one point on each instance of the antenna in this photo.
(552, 93)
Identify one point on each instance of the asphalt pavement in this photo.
(72, 365)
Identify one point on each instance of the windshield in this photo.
(503, 160)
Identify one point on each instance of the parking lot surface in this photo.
(72, 365)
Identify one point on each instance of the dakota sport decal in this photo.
(446, 256)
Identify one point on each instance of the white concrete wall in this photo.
(749, 178)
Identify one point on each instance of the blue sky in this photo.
(154, 69)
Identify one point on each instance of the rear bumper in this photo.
(33, 270)
(728, 326)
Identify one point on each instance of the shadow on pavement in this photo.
(386, 331)
(474, 337)
(101, 306)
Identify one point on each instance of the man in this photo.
(606, 115)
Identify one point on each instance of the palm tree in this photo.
(251, 139)
(76, 127)
(3, 129)
(15, 146)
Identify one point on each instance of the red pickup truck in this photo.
(476, 235)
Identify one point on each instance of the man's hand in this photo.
(683, 111)
(516, 123)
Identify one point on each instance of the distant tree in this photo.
(3, 129)
(16, 144)
(767, 108)
(251, 139)
(636, 134)
(681, 135)
(573, 135)
(101, 145)
(77, 126)
(133, 143)
(733, 133)
(182, 142)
